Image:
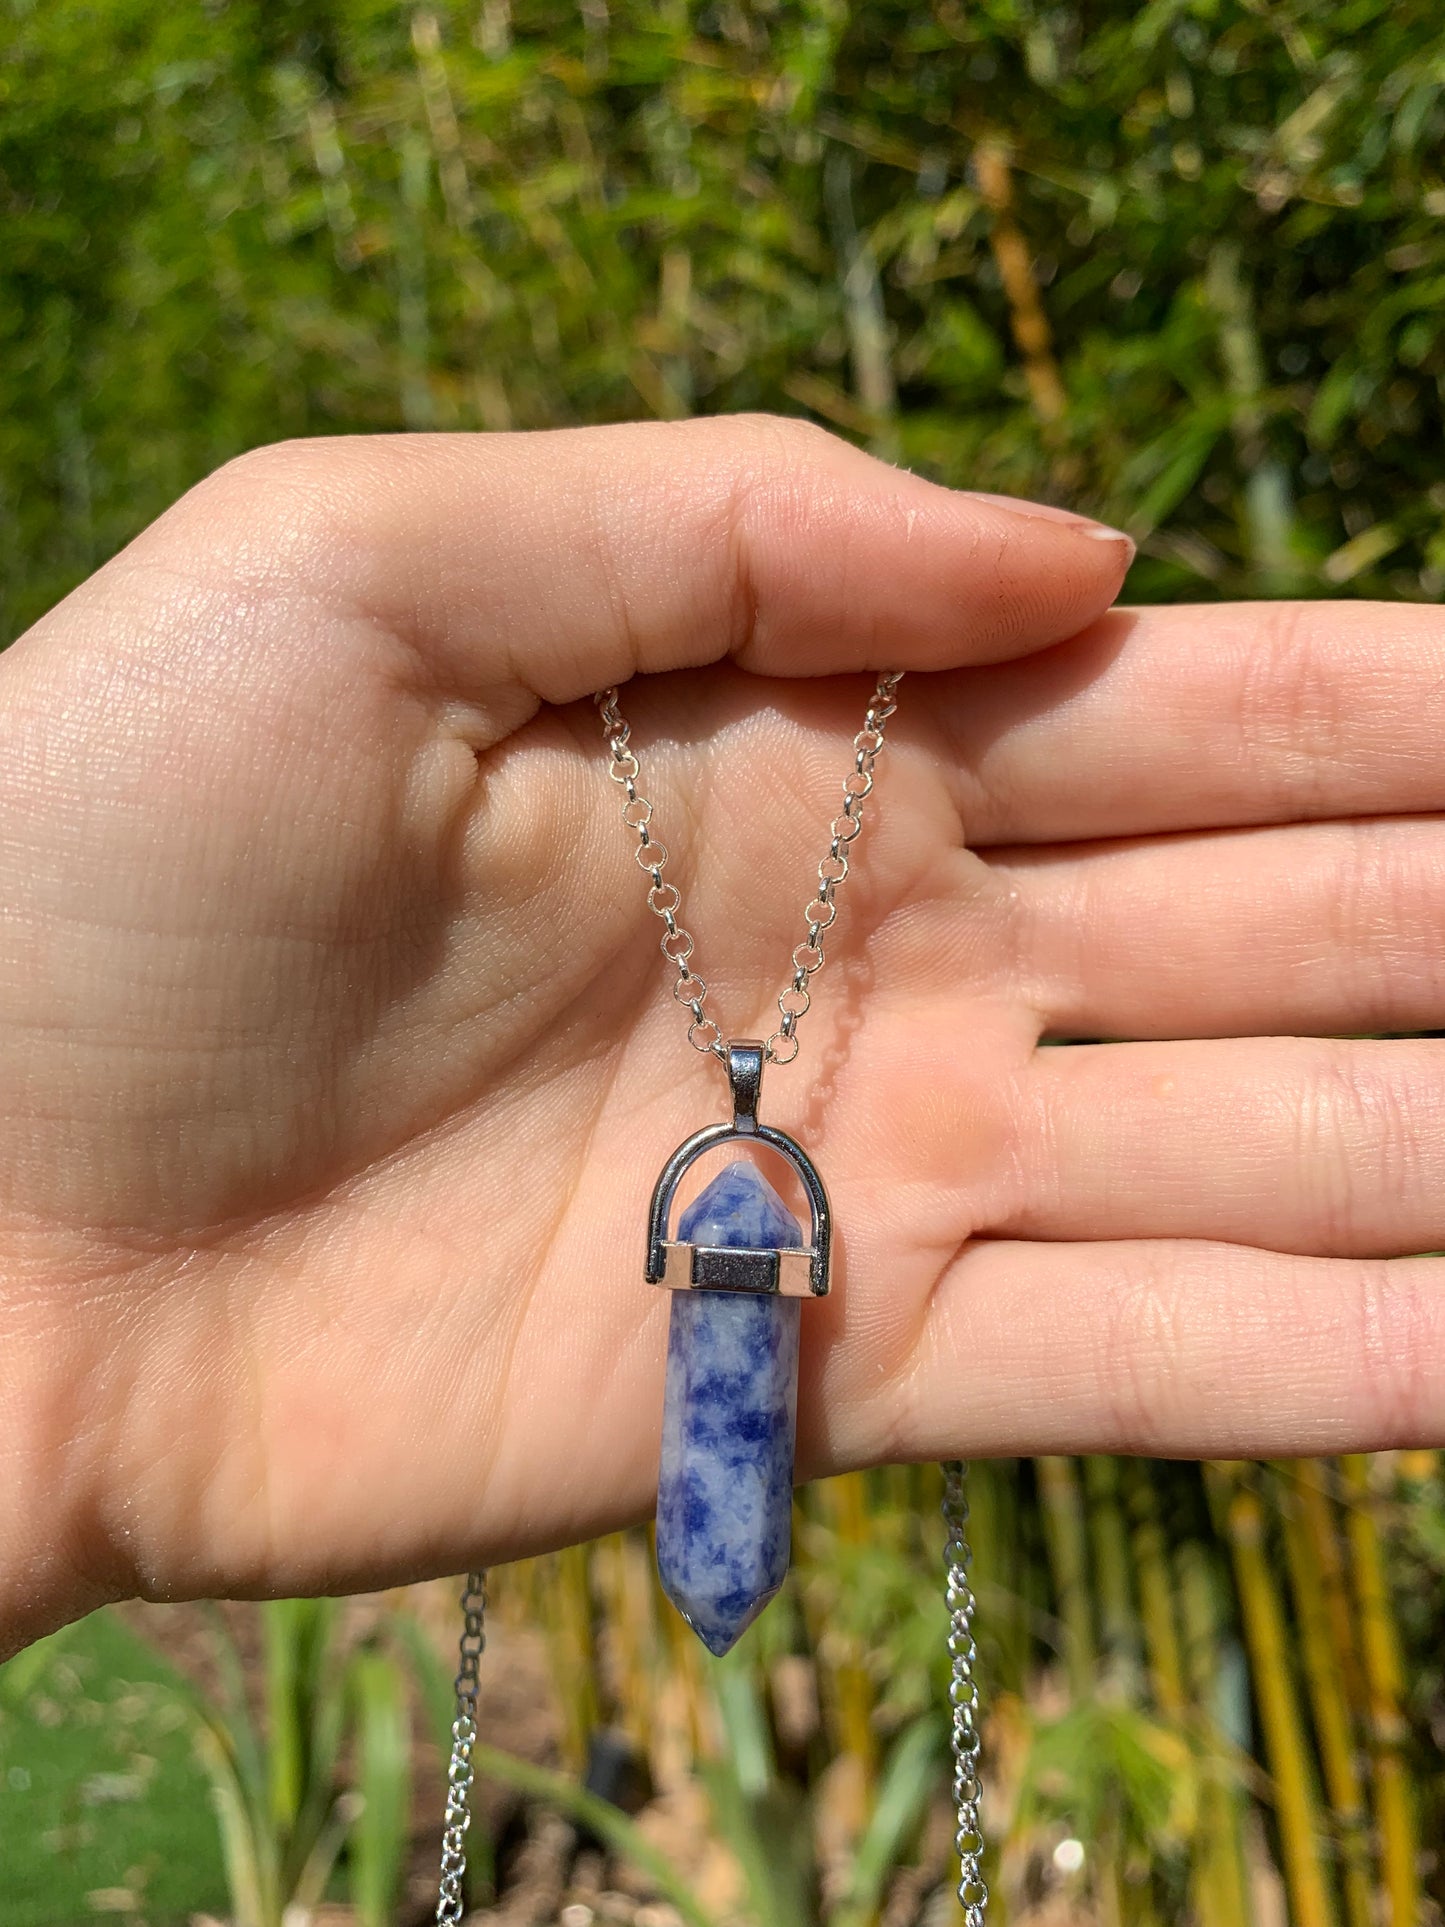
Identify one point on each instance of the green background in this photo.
(233, 222)
(100, 1791)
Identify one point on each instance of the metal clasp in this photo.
(746, 1058)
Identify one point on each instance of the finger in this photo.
(557, 563)
(1193, 718)
(1184, 1350)
(1299, 1144)
(1312, 929)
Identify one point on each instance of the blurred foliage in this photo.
(1213, 1695)
(1252, 1740)
(103, 1809)
(281, 1808)
(1181, 264)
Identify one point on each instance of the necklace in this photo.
(740, 1269)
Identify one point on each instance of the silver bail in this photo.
(745, 1060)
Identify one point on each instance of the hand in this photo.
(337, 1056)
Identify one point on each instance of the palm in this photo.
(340, 1057)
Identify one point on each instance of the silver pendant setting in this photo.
(682, 1266)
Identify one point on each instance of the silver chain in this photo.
(664, 899)
(963, 1699)
(704, 1034)
(451, 1903)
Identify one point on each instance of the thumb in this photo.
(546, 565)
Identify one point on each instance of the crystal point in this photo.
(725, 1487)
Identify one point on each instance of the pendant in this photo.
(740, 1268)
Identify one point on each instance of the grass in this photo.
(104, 1808)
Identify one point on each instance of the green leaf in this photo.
(771, 1836)
(248, 1846)
(1184, 452)
(382, 1743)
(910, 1778)
(745, 1725)
(1334, 398)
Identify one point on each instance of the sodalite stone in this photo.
(725, 1489)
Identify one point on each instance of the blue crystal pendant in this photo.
(739, 1268)
(725, 1488)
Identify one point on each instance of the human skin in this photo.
(337, 1056)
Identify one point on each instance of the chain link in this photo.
(963, 1698)
(704, 1034)
(665, 901)
(451, 1905)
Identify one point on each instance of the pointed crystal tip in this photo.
(740, 1210)
(719, 1625)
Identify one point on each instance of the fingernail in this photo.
(1101, 532)
(1046, 512)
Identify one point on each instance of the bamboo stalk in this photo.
(674, 306)
(1317, 1514)
(993, 171)
(1329, 1705)
(1156, 1592)
(685, 1701)
(863, 310)
(1219, 1885)
(1062, 1512)
(1269, 519)
(1385, 1678)
(1109, 1538)
(1013, 1618)
(336, 198)
(446, 138)
(619, 1564)
(1296, 1805)
(566, 1597)
(413, 325)
(846, 1681)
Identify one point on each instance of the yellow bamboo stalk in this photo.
(993, 171)
(1317, 1513)
(1384, 1677)
(1296, 1805)
(1107, 1882)
(515, 1593)
(686, 1696)
(573, 1652)
(619, 1565)
(1329, 1703)
(844, 1676)
(1219, 1883)
(1156, 1593)
(1062, 1512)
